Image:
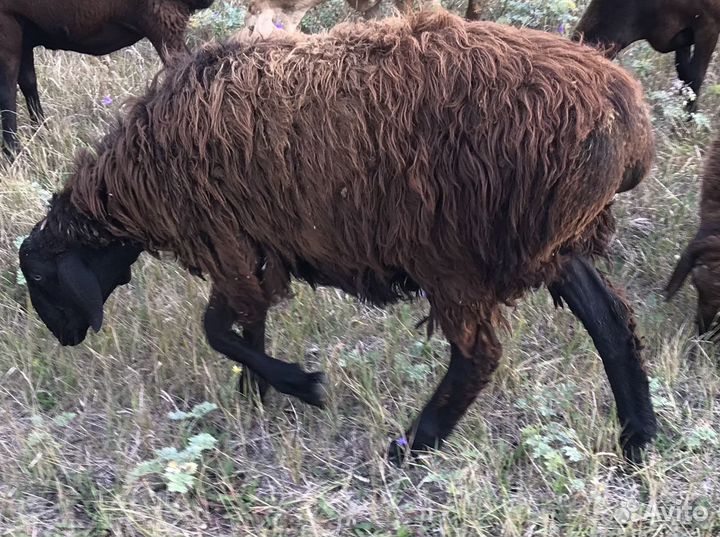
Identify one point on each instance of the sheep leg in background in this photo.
(27, 80)
(609, 321)
(283, 376)
(707, 304)
(254, 335)
(10, 52)
(473, 12)
(683, 55)
(705, 41)
(474, 355)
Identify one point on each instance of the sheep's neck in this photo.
(71, 225)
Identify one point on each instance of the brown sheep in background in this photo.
(265, 16)
(89, 27)
(668, 25)
(702, 255)
(371, 8)
(472, 161)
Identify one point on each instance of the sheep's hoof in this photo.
(633, 454)
(634, 444)
(307, 387)
(315, 393)
(400, 451)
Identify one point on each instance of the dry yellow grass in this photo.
(536, 455)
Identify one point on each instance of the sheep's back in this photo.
(710, 194)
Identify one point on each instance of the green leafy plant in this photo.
(555, 449)
(548, 15)
(219, 20)
(324, 16)
(702, 437)
(670, 105)
(40, 433)
(198, 411)
(660, 395)
(178, 468)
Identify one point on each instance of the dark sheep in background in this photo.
(89, 27)
(702, 255)
(473, 161)
(668, 25)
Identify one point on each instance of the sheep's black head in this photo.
(610, 24)
(68, 286)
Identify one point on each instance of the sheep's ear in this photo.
(682, 269)
(83, 287)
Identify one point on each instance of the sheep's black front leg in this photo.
(473, 13)
(254, 335)
(284, 377)
(683, 55)
(705, 41)
(609, 321)
(474, 355)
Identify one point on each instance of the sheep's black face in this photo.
(609, 25)
(68, 289)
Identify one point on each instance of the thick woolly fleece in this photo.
(428, 152)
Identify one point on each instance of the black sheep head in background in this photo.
(610, 25)
(689, 28)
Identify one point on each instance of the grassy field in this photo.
(536, 455)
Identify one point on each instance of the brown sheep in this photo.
(84, 26)
(264, 16)
(702, 255)
(472, 161)
(668, 25)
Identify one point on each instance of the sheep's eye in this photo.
(36, 277)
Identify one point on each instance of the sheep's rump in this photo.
(422, 152)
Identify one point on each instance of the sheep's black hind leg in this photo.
(609, 321)
(475, 354)
(683, 55)
(706, 39)
(254, 335)
(27, 80)
(285, 377)
(10, 52)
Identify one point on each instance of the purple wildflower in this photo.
(107, 100)
(401, 442)
(561, 28)
(279, 25)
